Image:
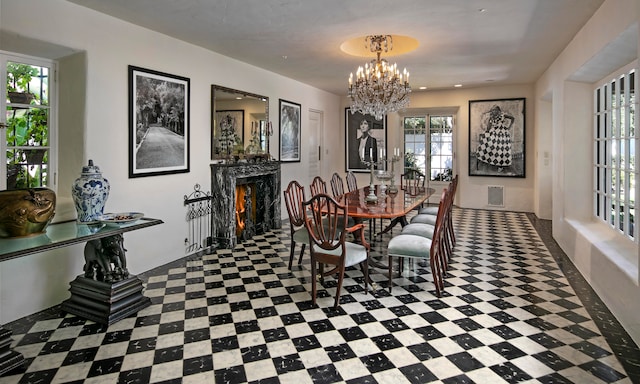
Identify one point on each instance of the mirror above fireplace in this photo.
(239, 123)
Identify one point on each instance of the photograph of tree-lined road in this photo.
(159, 123)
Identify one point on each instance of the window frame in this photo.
(427, 114)
(51, 107)
(615, 138)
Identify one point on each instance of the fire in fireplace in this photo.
(245, 211)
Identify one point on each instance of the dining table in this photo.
(393, 206)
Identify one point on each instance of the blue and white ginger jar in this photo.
(90, 192)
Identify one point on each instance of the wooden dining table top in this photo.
(392, 206)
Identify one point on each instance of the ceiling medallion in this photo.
(379, 87)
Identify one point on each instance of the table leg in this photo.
(106, 293)
(402, 220)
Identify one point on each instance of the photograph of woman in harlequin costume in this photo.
(496, 140)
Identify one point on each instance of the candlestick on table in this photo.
(392, 187)
(371, 197)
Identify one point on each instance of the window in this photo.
(615, 144)
(438, 138)
(27, 122)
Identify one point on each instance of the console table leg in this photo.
(9, 359)
(103, 302)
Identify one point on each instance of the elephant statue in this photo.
(105, 259)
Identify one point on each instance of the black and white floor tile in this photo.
(509, 314)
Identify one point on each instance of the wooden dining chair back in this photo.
(337, 185)
(450, 231)
(412, 181)
(326, 223)
(352, 182)
(427, 215)
(318, 186)
(293, 199)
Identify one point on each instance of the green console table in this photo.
(104, 293)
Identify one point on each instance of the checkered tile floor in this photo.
(508, 314)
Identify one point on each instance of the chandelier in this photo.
(379, 87)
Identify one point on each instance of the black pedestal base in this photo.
(9, 359)
(105, 303)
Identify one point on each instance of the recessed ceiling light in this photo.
(458, 85)
(482, 10)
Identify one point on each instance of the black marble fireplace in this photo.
(263, 178)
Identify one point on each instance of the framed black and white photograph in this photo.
(366, 140)
(158, 123)
(496, 137)
(290, 134)
(230, 131)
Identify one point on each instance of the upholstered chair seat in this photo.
(424, 218)
(419, 229)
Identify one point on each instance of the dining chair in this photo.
(337, 185)
(424, 225)
(412, 181)
(433, 210)
(413, 246)
(293, 199)
(352, 182)
(326, 223)
(318, 186)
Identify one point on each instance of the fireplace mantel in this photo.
(224, 179)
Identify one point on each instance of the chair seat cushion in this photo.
(424, 219)
(419, 229)
(301, 235)
(355, 253)
(428, 210)
(405, 245)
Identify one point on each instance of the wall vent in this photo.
(495, 196)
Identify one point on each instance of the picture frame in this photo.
(497, 137)
(230, 132)
(159, 143)
(372, 147)
(290, 131)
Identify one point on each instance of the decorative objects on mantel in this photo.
(379, 87)
(90, 192)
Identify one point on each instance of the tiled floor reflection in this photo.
(509, 314)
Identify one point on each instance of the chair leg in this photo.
(339, 287)
(365, 266)
(390, 273)
(293, 247)
(301, 253)
(314, 287)
(434, 268)
(451, 232)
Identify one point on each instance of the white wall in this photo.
(33, 283)
(607, 260)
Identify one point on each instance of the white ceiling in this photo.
(510, 42)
